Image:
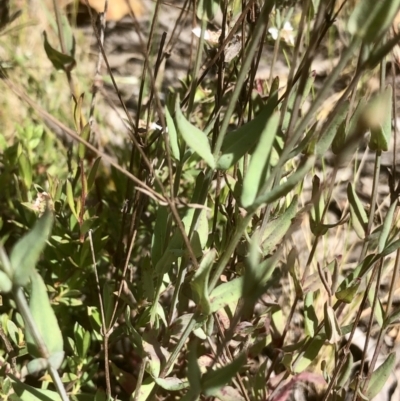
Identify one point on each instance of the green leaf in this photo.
(306, 357)
(68, 35)
(310, 317)
(193, 373)
(256, 172)
(59, 60)
(378, 310)
(207, 9)
(44, 318)
(158, 240)
(56, 359)
(172, 134)
(378, 117)
(380, 375)
(28, 393)
(70, 198)
(126, 380)
(145, 389)
(85, 136)
(82, 340)
(25, 170)
(332, 329)
(214, 380)
(26, 252)
(92, 173)
(378, 53)
(371, 18)
(340, 138)
(359, 218)
(37, 365)
(240, 141)
(281, 190)
(172, 383)
(277, 228)
(200, 281)
(387, 224)
(393, 318)
(5, 283)
(345, 372)
(294, 273)
(226, 293)
(195, 138)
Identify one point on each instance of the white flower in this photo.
(286, 33)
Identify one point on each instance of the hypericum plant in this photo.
(197, 266)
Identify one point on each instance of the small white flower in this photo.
(286, 33)
(154, 126)
(273, 32)
(197, 32)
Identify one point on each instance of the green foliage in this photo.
(162, 266)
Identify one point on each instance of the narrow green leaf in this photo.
(226, 293)
(345, 372)
(172, 134)
(5, 283)
(329, 133)
(195, 138)
(378, 310)
(379, 52)
(29, 393)
(214, 380)
(380, 375)
(25, 169)
(348, 293)
(84, 135)
(392, 247)
(26, 252)
(393, 318)
(44, 318)
(68, 35)
(207, 9)
(370, 18)
(255, 175)
(194, 373)
(158, 240)
(359, 218)
(378, 117)
(277, 228)
(172, 383)
(240, 141)
(200, 281)
(59, 60)
(387, 224)
(332, 329)
(286, 186)
(92, 173)
(309, 354)
(340, 138)
(142, 394)
(70, 198)
(294, 273)
(310, 317)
